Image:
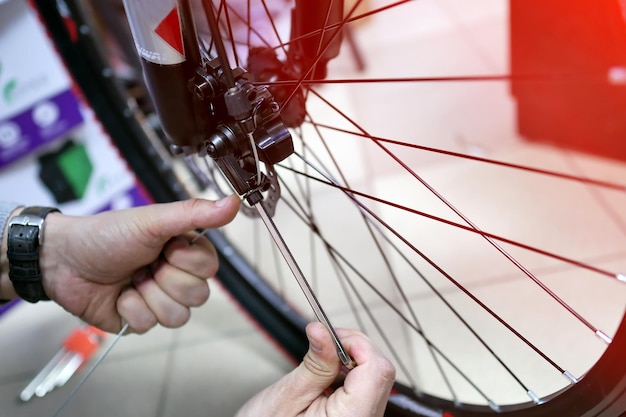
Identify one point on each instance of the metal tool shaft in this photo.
(90, 370)
(304, 285)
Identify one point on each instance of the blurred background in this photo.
(536, 83)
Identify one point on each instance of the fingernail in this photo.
(314, 332)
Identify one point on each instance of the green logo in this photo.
(8, 87)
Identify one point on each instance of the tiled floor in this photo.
(210, 366)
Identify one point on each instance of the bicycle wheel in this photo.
(488, 266)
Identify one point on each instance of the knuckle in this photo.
(177, 319)
(192, 205)
(316, 367)
(199, 259)
(142, 323)
(199, 295)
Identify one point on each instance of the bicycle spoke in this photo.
(529, 392)
(336, 256)
(456, 78)
(229, 28)
(299, 201)
(274, 28)
(379, 250)
(580, 264)
(350, 19)
(387, 263)
(601, 334)
(562, 175)
(250, 29)
(315, 228)
(216, 38)
(316, 59)
(450, 278)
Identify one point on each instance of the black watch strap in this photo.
(25, 236)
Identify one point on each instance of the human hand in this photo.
(304, 391)
(133, 266)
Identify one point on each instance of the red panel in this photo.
(570, 45)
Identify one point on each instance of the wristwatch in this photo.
(24, 238)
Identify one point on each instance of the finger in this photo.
(184, 288)
(317, 371)
(367, 387)
(134, 311)
(168, 312)
(164, 221)
(199, 259)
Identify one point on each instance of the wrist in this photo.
(51, 252)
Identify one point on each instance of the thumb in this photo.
(172, 219)
(319, 368)
(298, 390)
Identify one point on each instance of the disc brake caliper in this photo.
(249, 132)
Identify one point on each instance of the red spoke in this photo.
(452, 78)
(319, 56)
(471, 224)
(456, 283)
(229, 29)
(394, 80)
(325, 29)
(217, 17)
(589, 181)
(274, 28)
(342, 23)
(467, 228)
(251, 28)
